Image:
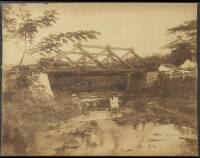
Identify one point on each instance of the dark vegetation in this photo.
(180, 49)
(27, 109)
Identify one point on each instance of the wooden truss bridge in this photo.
(92, 59)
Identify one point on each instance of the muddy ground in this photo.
(54, 129)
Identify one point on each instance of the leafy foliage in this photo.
(185, 44)
(25, 27)
(188, 28)
(53, 43)
(20, 23)
(20, 78)
(30, 26)
(178, 56)
(9, 21)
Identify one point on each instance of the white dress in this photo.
(114, 102)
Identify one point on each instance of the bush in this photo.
(26, 107)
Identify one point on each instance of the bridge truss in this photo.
(95, 59)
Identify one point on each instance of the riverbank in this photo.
(51, 115)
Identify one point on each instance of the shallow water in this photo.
(97, 134)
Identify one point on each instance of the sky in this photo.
(142, 26)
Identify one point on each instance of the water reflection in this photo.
(97, 134)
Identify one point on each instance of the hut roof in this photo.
(167, 67)
(188, 64)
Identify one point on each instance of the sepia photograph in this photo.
(99, 79)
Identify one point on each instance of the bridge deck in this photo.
(88, 72)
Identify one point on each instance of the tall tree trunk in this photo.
(23, 55)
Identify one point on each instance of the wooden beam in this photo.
(77, 61)
(103, 47)
(84, 60)
(66, 64)
(79, 53)
(94, 59)
(106, 59)
(103, 60)
(89, 72)
(68, 53)
(87, 54)
(131, 50)
(125, 55)
(83, 56)
(69, 59)
(119, 59)
(102, 53)
(113, 59)
(66, 57)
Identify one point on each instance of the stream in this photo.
(96, 133)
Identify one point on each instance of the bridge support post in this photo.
(128, 84)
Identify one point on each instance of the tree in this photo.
(177, 56)
(21, 25)
(52, 44)
(185, 44)
(9, 21)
